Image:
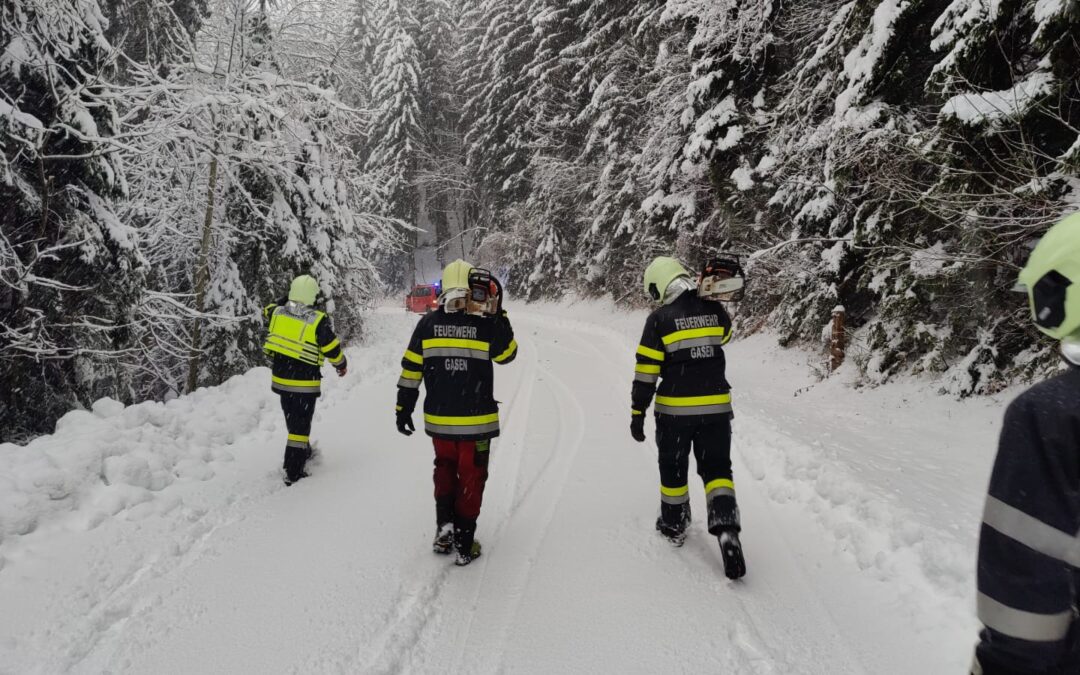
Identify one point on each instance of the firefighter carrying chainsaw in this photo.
(451, 352)
(682, 349)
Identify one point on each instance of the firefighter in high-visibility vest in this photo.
(682, 349)
(451, 352)
(1029, 553)
(300, 338)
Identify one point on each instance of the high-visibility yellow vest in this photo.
(294, 336)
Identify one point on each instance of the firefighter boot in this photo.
(724, 524)
(468, 549)
(673, 521)
(444, 525)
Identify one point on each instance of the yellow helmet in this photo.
(659, 275)
(1052, 280)
(304, 290)
(456, 275)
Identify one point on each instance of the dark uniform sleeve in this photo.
(412, 371)
(725, 322)
(650, 357)
(268, 311)
(504, 347)
(329, 344)
(1028, 549)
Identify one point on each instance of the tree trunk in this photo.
(202, 278)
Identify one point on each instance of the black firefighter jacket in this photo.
(451, 354)
(1029, 553)
(682, 349)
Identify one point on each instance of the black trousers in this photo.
(298, 409)
(711, 444)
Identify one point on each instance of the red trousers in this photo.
(461, 470)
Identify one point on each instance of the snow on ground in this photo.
(159, 538)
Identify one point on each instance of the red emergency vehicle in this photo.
(422, 299)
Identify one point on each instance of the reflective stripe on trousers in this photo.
(719, 487)
(675, 495)
(295, 386)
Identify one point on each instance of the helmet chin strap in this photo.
(1070, 349)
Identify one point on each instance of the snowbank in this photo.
(104, 461)
(895, 475)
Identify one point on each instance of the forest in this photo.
(167, 166)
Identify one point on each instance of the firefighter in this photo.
(300, 338)
(451, 352)
(1029, 554)
(682, 349)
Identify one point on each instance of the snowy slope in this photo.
(860, 512)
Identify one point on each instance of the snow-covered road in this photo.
(860, 514)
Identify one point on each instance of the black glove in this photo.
(404, 423)
(637, 427)
(341, 371)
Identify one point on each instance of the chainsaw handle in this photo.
(499, 287)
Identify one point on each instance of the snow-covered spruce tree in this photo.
(495, 55)
(143, 30)
(68, 267)
(906, 201)
(359, 50)
(396, 134)
(546, 226)
(892, 156)
(438, 174)
(1003, 152)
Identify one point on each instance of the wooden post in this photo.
(838, 344)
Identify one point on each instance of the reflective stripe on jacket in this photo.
(451, 355)
(680, 359)
(300, 339)
(1029, 547)
(292, 334)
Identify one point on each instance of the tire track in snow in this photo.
(747, 649)
(498, 601)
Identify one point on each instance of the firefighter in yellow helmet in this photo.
(1029, 554)
(300, 338)
(680, 359)
(451, 352)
